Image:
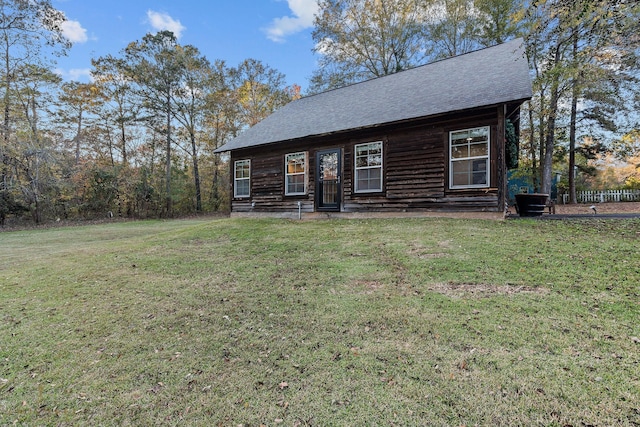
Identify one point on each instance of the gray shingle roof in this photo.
(485, 77)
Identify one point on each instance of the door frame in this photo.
(319, 202)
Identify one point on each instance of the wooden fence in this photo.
(605, 196)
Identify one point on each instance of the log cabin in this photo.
(428, 139)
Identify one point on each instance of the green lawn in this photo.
(398, 322)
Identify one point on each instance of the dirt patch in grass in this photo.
(483, 290)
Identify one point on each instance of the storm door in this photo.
(328, 188)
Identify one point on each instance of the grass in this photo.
(357, 322)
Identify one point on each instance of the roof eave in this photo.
(376, 125)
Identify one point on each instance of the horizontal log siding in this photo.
(415, 169)
(415, 166)
(263, 185)
(481, 199)
(267, 181)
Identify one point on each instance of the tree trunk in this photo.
(532, 150)
(215, 193)
(111, 148)
(4, 158)
(196, 174)
(572, 130)
(35, 184)
(541, 144)
(78, 136)
(572, 150)
(123, 139)
(549, 144)
(550, 141)
(168, 160)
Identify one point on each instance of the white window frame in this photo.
(237, 179)
(305, 157)
(369, 167)
(486, 157)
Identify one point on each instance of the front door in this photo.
(328, 183)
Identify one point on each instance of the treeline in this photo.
(138, 141)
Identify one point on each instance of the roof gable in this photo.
(485, 77)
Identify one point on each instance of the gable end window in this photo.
(242, 178)
(368, 167)
(295, 166)
(469, 158)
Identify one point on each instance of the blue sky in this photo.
(276, 32)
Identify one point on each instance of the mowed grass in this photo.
(397, 322)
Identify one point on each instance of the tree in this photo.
(221, 123)
(607, 75)
(156, 67)
(500, 21)
(191, 101)
(26, 27)
(453, 27)
(120, 109)
(76, 102)
(581, 52)
(628, 146)
(34, 154)
(362, 39)
(259, 91)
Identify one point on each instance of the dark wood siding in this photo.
(415, 165)
(415, 168)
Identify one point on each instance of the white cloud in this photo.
(75, 74)
(303, 12)
(73, 31)
(162, 21)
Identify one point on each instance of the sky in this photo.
(276, 32)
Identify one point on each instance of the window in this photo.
(242, 187)
(469, 158)
(368, 171)
(295, 173)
